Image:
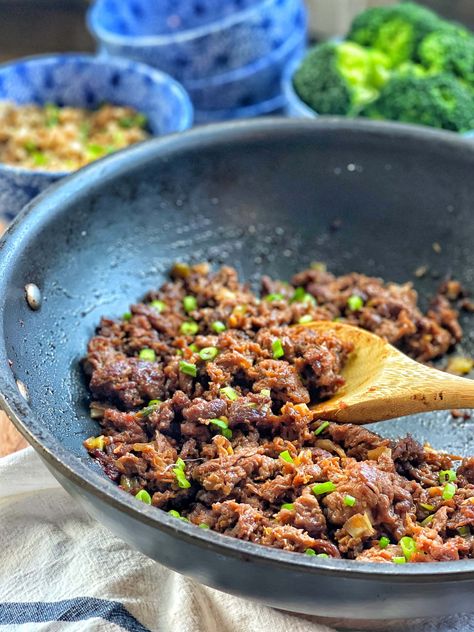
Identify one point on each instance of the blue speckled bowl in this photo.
(85, 81)
(193, 39)
(253, 83)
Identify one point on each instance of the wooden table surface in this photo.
(10, 439)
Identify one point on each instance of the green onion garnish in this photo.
(95, 150)
(137, 120)
(274, 297)
(310, 552)
(448, 491)
(288, 506)
(277, 348)
(189, 304)
(349, 500)
(322, 555)
(266, 392)
(218, 326)
(384, 542)
(408, 547)
(194, 348)
(307, 318)
(208, 353)
(355, 303)
(427, 520)
(299, 294)
(144, 496)
(189, 328)
(39, 158)
(127, 316)
(30, 146)
(427, 506)
(188, 368)
(174, 513)
(159, 306)
(398, 560)
(447, 476)
(180, 474)
(148, 355)
(229, 392)
(152, 404)
(223, 425)
(52, 114)
(321, 428)
(203, 525)
(286, 456)
(323, 488)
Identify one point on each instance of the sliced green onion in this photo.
(188, 368)
(277, 348)
(39, 158)
(349, 500)
(321, 428)
(319, 265)
(384, 542)
(274, 297)
(399, 560)
(309, 298)
(174, 513)
(464, 531)
(180, 463)
(127, 316)
(307, 318)
(427, 506)
(52, 114)
(229, 392)
(310, 552)
(218, 326)
(408, 547)
(189, 304)
(208, 353)
(448, 491)
(447, 476)
(95, 150)
(288, 506)
(30, 146)
(427, 520)
(299, 294)
(147, 354)
(286, 456)
(157, 305)
(152, 404)
(323, 488)
(144, 496)
(137, 120)
(355, 303)
(266, 392)
(180, 474)
(223, 425)
(189, 328)
(322, 555)
(179, 352)
(194, 348)
(203, 525)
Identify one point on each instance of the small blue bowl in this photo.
(253, 83)
(84, 81)
(275, 106)
(193, 39)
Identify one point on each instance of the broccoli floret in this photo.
(397, 30)
(340, 78)
(447, 52)
(436, 100)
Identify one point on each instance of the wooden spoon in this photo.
(384, 383)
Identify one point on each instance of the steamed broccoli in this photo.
(340, 78)
(448, 52)
(398, 30)
(436, 100)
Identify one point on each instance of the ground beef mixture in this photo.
(202, 394)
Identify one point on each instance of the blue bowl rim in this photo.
(104, 35)
(247, 111)
(243, 72)
(120, 63)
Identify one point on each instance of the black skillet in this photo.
(266, 196)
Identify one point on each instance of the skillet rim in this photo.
(71, 467)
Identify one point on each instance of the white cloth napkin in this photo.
(60, 571)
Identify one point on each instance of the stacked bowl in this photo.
(229, 54)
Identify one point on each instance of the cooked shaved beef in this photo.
(202, 394)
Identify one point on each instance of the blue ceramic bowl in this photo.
(193, 39)
(84, 81)
(253, 83)
(275, 106)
